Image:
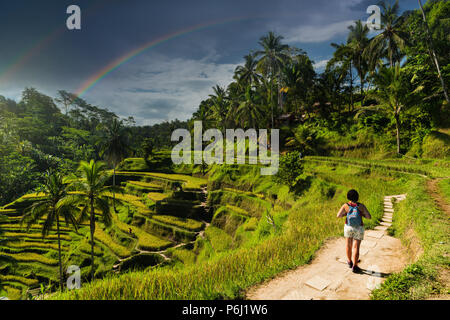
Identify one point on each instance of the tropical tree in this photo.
(305, 140)
(66, 99)
(249, 111)
(203, 112)
(113, 143)
(358, 43)
(147, 147)
(297, 78)
(93, 194)
(248, 73)
(394, 94)
(342, 61)
(219, 107)
(272, 57)
(391, 41)
(433, 52)
(52, 206)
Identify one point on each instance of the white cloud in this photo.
(321, 64)
(318, 33)
(156, 89)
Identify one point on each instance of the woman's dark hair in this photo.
(353, 195)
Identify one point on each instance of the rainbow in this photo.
(99, 75)
(22, 60)
(45, 41)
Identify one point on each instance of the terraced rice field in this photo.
(138, 237)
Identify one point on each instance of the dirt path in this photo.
(328, 276)
(433, 190)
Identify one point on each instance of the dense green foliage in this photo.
(375, 120)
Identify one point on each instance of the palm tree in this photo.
(93, 194)
(298, 78)
(392, 40)
(433, 52)
(114, 146)
(219, 106)
(248, 74)
(249, 111)
(358, 43)
(394, 94)
(343, 57)
(273, 54)
(55, 204)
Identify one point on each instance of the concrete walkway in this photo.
(329, 277)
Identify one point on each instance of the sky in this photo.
(157, 60)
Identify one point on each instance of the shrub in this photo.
(436, 145)
(290, 170)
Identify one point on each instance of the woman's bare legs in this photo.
(356, 245)
(348, 249)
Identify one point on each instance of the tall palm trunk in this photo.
(59, 253)
(351, 87)
(433, 53)
(391, 62)
(361, 78)
(270, 97)
(397, 127)
(92, 227)
(114, 186)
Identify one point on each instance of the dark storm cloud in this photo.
(174, 76)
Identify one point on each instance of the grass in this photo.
(135, 201)
(432, 168)
(31, 227)
(219, 239)
(146, 241)
(157, 196)
(237, 254)
(292, 242)
(184, 223)
(169, 231)
(252, 205)
(32, 244)
(13, 293)
(229, 218)
(145, 184)
(189, 182)
(34, 236)
(13, 278)
(444, 188)
(133, 164)
(423, 229)
(116, 248)
(31, 257)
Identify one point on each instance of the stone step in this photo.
(374, 234)
(318, 283)
(368, 244)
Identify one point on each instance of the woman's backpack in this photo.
(354, 218)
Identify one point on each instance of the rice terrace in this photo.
(93, 205)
